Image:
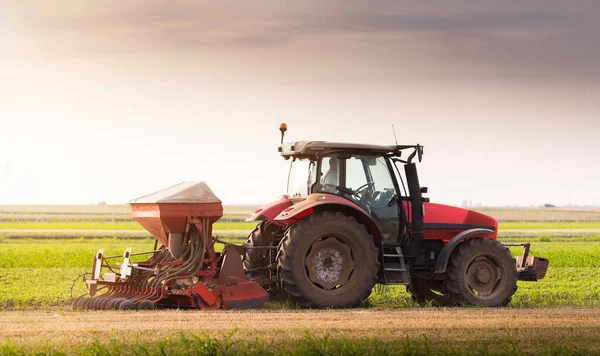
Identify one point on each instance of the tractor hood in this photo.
(445, 217)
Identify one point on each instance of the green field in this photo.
(132, 225)
(131, 229)
(51, 265)
(548, 225)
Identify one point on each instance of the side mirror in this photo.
(424, 190)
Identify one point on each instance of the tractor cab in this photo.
(364, 175)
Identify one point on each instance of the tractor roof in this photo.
(314, 148)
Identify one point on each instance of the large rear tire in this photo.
(481, 272)
(328, 260)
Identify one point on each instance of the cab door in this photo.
(370, 179)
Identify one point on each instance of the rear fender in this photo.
(270, 211)
(442, 261)
(322, 202)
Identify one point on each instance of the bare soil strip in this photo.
(529, 330)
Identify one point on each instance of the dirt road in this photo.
(528, 329)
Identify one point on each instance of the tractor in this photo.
(352, 218)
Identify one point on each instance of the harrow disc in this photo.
(80, 304)
(104, 303)
(127, 305)
(75, 301)
(109, 305)
(146, 305)
(96, 303)
(114, 305)
(85, 303)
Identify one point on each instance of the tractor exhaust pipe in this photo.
(416, 200)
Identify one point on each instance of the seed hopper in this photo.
(185, 271)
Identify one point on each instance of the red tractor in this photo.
(351, 218)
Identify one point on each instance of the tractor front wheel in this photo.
(481, 272)
(328, 261)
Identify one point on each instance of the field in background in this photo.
(94, 221)
(240, 212)
(113, 213)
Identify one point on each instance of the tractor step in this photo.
(394, 267)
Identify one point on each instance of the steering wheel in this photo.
(360, 197)
(368, 184)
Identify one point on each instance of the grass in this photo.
(533, 231)
(570, 286)
(51, 265)
(205, 344)
(571, 254)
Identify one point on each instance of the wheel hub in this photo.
(329, 263)
(483, 276)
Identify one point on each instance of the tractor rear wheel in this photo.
(328, 261)
(481, 272)
(425, 291)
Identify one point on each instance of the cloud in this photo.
(518, 40)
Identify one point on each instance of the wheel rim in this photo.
(483, 276)
(329, 263)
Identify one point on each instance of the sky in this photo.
(110, 100)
